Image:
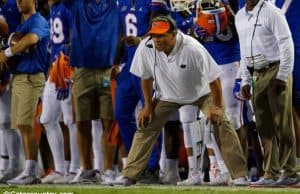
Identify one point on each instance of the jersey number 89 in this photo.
(57, 33)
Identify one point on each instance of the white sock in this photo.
(67, 166)
(172, 168)
(30, 168)
(172, 164)
(13, 144)
(56, 142)
(75, 160)
(192, 165)
(97, 129)
(124, 162)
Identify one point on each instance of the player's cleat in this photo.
(108, 176)
(86, 177)
(52, 177)
(121, 180)
(65, 179)
(170, 177)
(221, 179)
(6, 175)
(241, 181)
(286, 181)
(24, 180)
(195, 179)
(263, 182)
(149, 177)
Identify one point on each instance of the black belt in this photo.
(263, 69)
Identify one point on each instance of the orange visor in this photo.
(159, 27)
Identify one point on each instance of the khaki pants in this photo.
(145, 138)
(274, 121)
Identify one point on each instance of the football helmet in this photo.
(212, 16)
(182, 5)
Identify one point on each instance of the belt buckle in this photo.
(265, 68)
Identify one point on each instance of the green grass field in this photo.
(91, 189)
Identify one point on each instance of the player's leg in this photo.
(50, 117)
(171, 141)
(188, 114)
(10, 141)
(125, 105)
(69, 121)
(97, 130)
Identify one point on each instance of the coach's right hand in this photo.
(246, 92)
(145, 116)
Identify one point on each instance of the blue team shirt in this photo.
(135, 18)
(10, 12)
(60, 24)
(95, 32)
(35, 60)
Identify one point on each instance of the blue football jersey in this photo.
(135, 18)
(60, 24)
(184, 24)
(34, 60)
(95, 32)
(10, 12)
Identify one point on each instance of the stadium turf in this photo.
(92, 189)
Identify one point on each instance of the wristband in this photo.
(8, 53)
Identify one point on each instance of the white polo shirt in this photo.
(183, 76)
(272, 40)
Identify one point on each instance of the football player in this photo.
(57, 102)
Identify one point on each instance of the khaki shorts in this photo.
(92, 94)
(26, 90)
